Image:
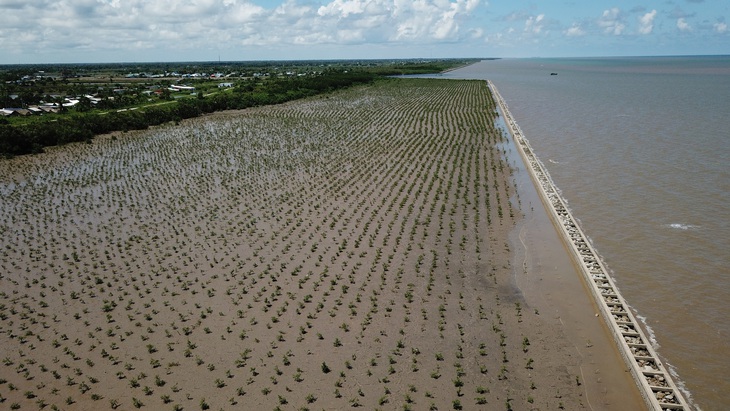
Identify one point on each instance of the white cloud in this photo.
(682, 25)
(535, 24)
(245, 14)
(343, 8)
(612, 21)
(574, 31)
(116, 29)
(646, 22)
(495, 38)
(109, 25)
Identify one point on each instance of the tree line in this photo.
(32, 137)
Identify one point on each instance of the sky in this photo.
(94, 31)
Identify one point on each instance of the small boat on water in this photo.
(553, 74)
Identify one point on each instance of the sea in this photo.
(640, 149)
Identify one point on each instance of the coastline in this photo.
(652, 379)
(292, 264)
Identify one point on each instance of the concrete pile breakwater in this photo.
(655, 383)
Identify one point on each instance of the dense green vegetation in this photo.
(132, 109)
(32, 136)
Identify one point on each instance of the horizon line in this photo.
(222, 62)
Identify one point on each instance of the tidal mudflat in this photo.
(342, 251)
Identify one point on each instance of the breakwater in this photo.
(655, 383)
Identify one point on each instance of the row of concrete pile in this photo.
(655, 383)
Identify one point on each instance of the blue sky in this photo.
(78, 31)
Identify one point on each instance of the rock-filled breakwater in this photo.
(655, 383)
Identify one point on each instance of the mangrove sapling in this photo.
(397, 191)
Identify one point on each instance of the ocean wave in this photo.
(649, 331)
(671, 368)
(553, 161)
(682, 387)
(680, 226)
